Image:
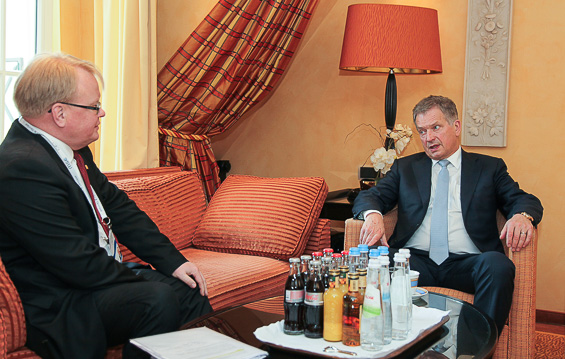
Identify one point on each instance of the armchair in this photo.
(517, 339)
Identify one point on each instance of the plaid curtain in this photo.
(227, 65)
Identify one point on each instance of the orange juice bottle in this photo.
(333, 309)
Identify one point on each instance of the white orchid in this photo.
(383, 158)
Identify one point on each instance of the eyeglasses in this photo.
(94, 108)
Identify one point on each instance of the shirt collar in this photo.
(66, 149)
(454, 159)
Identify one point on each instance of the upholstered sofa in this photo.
(517, 339)
(241, 240)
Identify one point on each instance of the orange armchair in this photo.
(517, 339)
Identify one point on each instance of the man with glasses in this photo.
(56, 238)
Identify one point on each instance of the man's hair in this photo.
(48, 79)
(444, 104)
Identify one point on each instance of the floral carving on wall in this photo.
(486, 73)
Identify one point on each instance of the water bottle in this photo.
(406, 253)
(372, 321)
(384, 276)
(363, 256)
(353, 259)
(401, 299)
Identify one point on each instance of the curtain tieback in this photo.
(176, 134)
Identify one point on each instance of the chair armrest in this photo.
(352, 230)
(522, 318)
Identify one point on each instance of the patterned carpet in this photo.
(550, 346)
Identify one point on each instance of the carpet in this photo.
(550, 346)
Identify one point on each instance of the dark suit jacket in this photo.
(49, 242)
(485, 187)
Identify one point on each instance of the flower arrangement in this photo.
(395, 142)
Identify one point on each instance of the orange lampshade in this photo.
(380, 37)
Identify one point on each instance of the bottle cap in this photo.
(362, 271)
(336, 255)
(305, 256)
(374, 263)
(334, 272)
(328, 250)
(354, 251)
(294, 260)
(326, 260)
(363, 248)
(405, 251)
(317, 254)
(353, 275)
(384, 261)
(383, 250)
(315, 263)
(399, 257)
(345, 253)
(374, 252)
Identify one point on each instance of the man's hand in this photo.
(190, 274)
(518, 232)
(373, 230)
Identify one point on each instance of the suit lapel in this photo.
(422, 169)
(470, 174)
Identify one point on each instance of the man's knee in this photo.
(162, 302)
(496, 266)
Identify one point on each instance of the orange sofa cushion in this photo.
(175, 202)
(271, 217)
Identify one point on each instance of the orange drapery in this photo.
(233, 59)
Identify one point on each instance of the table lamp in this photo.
(391, 39)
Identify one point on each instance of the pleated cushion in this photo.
(175, 202)
(270, 217)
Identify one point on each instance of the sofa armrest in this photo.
(320, 237)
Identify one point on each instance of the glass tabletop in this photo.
(468, 332)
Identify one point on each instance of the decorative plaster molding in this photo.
(487, 62)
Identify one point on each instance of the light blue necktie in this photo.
(439, 250)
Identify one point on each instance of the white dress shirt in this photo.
(459, 240)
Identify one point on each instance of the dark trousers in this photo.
(124, 311)
(489, 276)
(160, 305)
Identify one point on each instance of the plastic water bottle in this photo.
(384, 276)
(372, 321)
(401, 299)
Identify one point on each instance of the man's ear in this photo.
(58, 115)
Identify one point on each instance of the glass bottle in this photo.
(352, 303)
(406, 253)
(353, 259)
(327, 252)
(333, 309)
(372, 321)
(326, 264)
(400, 299)
(343, 282)
(314, 303)
(345, 258)
(294, 300)
(384, 276)
(336, 261)
(363, 255)
(362, 281)
(374, 253)
(317, 256)
(305, 267)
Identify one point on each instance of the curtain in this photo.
(125, 43)
(233, 59)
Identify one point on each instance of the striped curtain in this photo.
(233, 59)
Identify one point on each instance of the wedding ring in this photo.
(522, 232)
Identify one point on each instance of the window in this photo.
(26, 28)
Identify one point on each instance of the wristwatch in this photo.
(525, 214)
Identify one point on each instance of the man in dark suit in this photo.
(476, 186)
(58, 227)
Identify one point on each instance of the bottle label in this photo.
(316, 299)
(294, 296)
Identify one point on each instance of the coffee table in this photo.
(468, 332)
